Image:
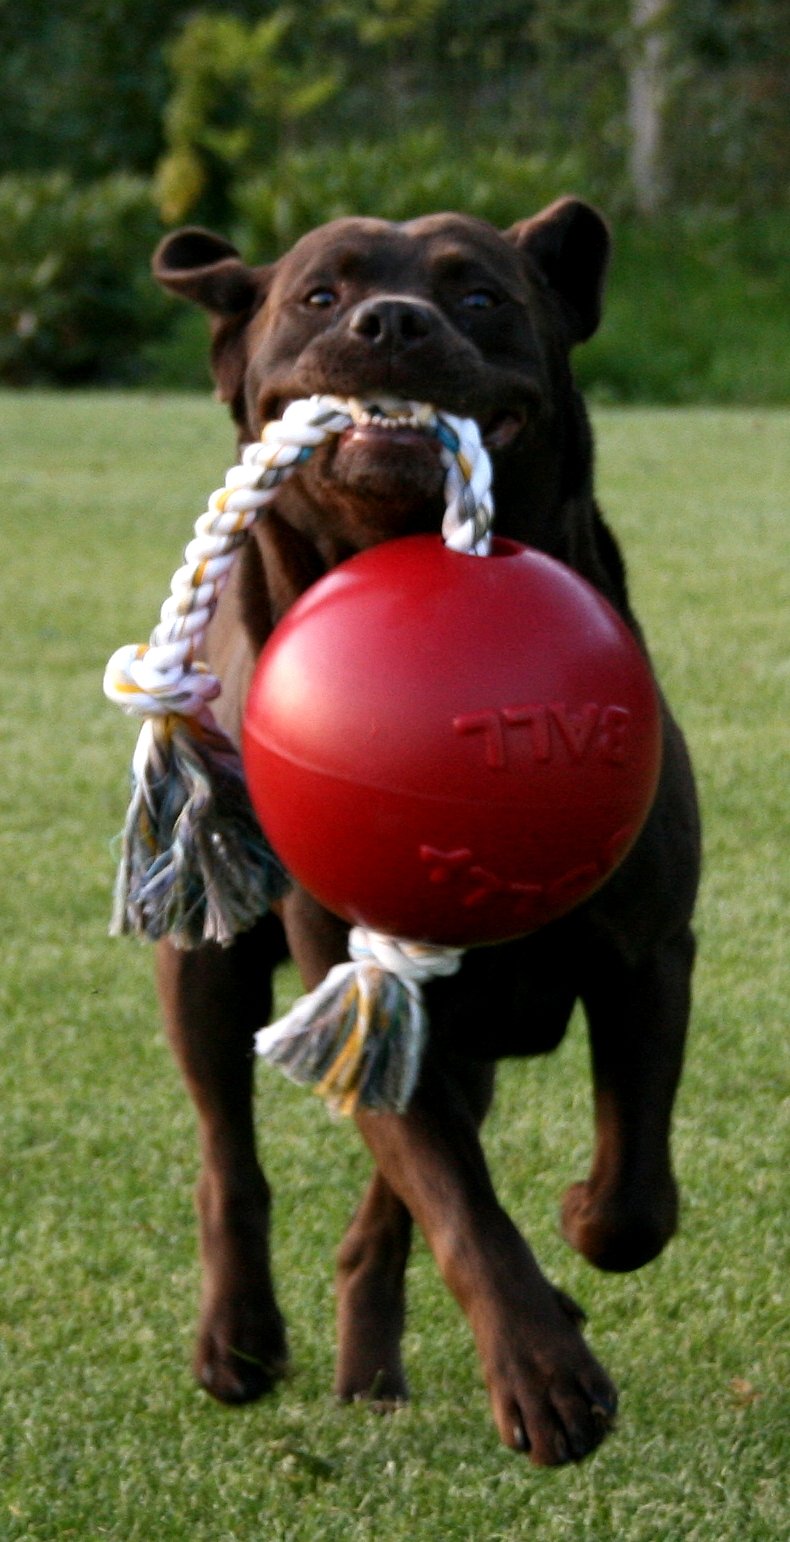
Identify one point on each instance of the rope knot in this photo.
(148, 681)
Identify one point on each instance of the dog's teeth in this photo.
(388, 412)
(389, 406)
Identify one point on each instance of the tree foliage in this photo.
(262, 117)
(98, 86)
(236, 90)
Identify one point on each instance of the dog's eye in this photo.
(480, 300)
(321, 298)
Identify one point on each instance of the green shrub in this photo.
(76, 299)
(396, 179)
(696, 311)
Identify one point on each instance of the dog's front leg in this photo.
(548, 1394)
(214, 999)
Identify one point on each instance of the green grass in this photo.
(102, 1434)
(695, 311)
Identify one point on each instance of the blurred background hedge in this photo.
(120, 119)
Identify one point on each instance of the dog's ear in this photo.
(568, 245)
(204, 268)
(199, 266)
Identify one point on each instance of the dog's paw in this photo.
(383, 1388)
(549, 1396)
(369, 1367)
(617, 1232)
(240, 1353)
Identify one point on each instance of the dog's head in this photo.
(443, 310)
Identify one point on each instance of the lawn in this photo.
(103, 1434)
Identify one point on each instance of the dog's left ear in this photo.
(568, 244)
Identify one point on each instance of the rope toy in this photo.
(359, 1037)
(195, 865)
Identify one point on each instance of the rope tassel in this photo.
(195, 864)
(359, 1037)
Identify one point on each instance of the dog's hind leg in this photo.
(371, 1267)
(214, 999)
(626, 1211)
(372, 1259)
(371, 1300)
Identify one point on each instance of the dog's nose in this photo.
(389, 322)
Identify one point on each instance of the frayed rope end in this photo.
(358, 1039)
(195, 865)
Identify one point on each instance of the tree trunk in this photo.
(647, 94)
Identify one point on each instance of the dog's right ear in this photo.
(204, 268)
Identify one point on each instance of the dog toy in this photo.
(451, 751)
(195, 865)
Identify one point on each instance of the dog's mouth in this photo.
(383, 475)
(392, 421)
(407, 420)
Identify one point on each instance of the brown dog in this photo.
(449, 311)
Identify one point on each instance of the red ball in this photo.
(450, 748)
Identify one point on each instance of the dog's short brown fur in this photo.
(445, 310)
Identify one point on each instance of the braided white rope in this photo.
(167, 675)
(195, 864)
(415, 962)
